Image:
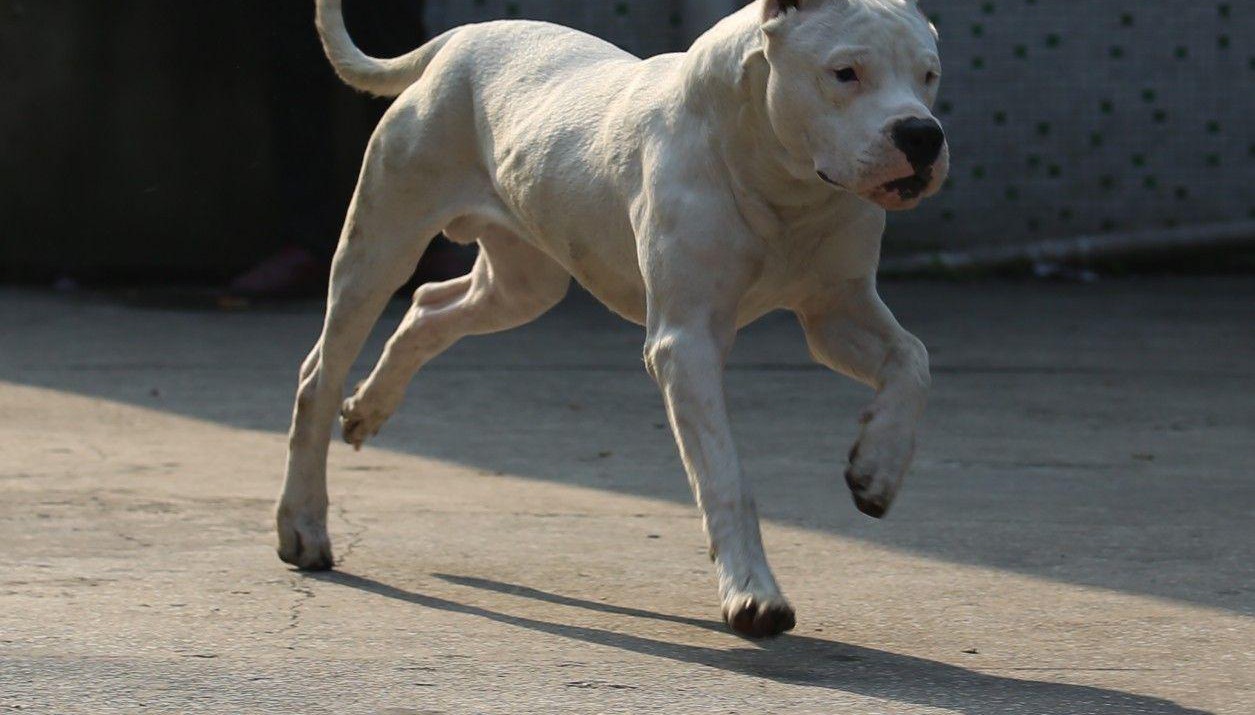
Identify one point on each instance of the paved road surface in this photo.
(1077, 537)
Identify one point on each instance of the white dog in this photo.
(692, 193)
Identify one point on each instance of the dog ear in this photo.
(919, 5)
(775, 8)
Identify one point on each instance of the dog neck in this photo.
(727, 67)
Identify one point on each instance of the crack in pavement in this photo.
(304, 593)
(303, 586)
(355, 536)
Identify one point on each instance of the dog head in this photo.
(850, 94)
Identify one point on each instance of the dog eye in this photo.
(930, 77)
(847, 74)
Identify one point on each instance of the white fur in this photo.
(683, 191)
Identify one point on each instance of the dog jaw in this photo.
(901, 194)
(904, 187)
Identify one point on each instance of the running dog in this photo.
(692, 193)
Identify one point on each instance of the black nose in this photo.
(920, 139)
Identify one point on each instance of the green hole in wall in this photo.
(1127, 19)
(1212, 160)
(1150, 182)
(1224, 10)
(1053, 40)
(1213, 127)
(1181, 193)
(1034, 161)
(1182, 52)
(1139, 160)
(1012, 193)
(978, 63)
(1066, 215)
(978, 172)
(1054, 171)
(1115, 52)
(1096, 140)
(621, 9)
(945, 108)
(1043, 129)
(1223, 42)
(1106, 106)
(1160, 116)
(1107, 225)
(978, 30)
(1000, 118)
(1148, 95)
(988, 8)
(512, 9)
(1107, 181)
(1021, 51)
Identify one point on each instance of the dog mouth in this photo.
(905, 189)
(908, 188)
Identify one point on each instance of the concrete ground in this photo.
(1078, 535)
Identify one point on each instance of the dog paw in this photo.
(359, 421)
(304, 544)
(871, 501)
(878, 463)
(756, 617)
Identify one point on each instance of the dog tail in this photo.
(381, 77)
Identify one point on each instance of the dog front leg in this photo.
(853, 332)
(686, 359)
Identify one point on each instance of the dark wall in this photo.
(178, 139)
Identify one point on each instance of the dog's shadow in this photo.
(802, 660)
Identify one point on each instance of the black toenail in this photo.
(875, 508)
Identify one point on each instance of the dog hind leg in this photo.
(511, 285)
(384, 236)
